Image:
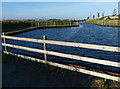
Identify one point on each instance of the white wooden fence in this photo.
(81, 45)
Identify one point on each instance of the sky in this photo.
(56, 10)
(60, 0)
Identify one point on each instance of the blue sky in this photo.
(55, 10)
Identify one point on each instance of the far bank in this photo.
(109, 23)
(12, 27)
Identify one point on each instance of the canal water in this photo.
(85, 33)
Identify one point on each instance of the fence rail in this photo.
(81, 45)
(93, 60)
(93, 73)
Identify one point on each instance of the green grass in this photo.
(104, 22)
(13, 26)
(9, 26)
(102, 84)
(35, 69)
(7, 58)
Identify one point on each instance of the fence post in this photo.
(70, 23)
(46, 23)
(4, 41)
(45, 56)
(31, 25)
(38, 24)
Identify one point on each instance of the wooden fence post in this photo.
(31, 25)
(45, 56)
(38, 24)
(46, 23)
(4, 41)
(70, 23)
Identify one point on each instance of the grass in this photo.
(104, 22)
(9, 26)
(18, 69)
(18, 61)
(106, 84)
(13, 26)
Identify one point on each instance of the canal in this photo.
(85, 33)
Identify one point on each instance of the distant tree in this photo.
(88, 17)
(103, 14)
(119, 17)
(114, 12)
(93, 16)
(103, 17)
(108, 18)
(98, 15)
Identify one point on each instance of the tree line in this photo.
(103, 14)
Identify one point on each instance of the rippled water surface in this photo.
(85, 33)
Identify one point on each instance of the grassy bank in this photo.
(8, 26)
(25, 73)
(104, 22)
(14, 25)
